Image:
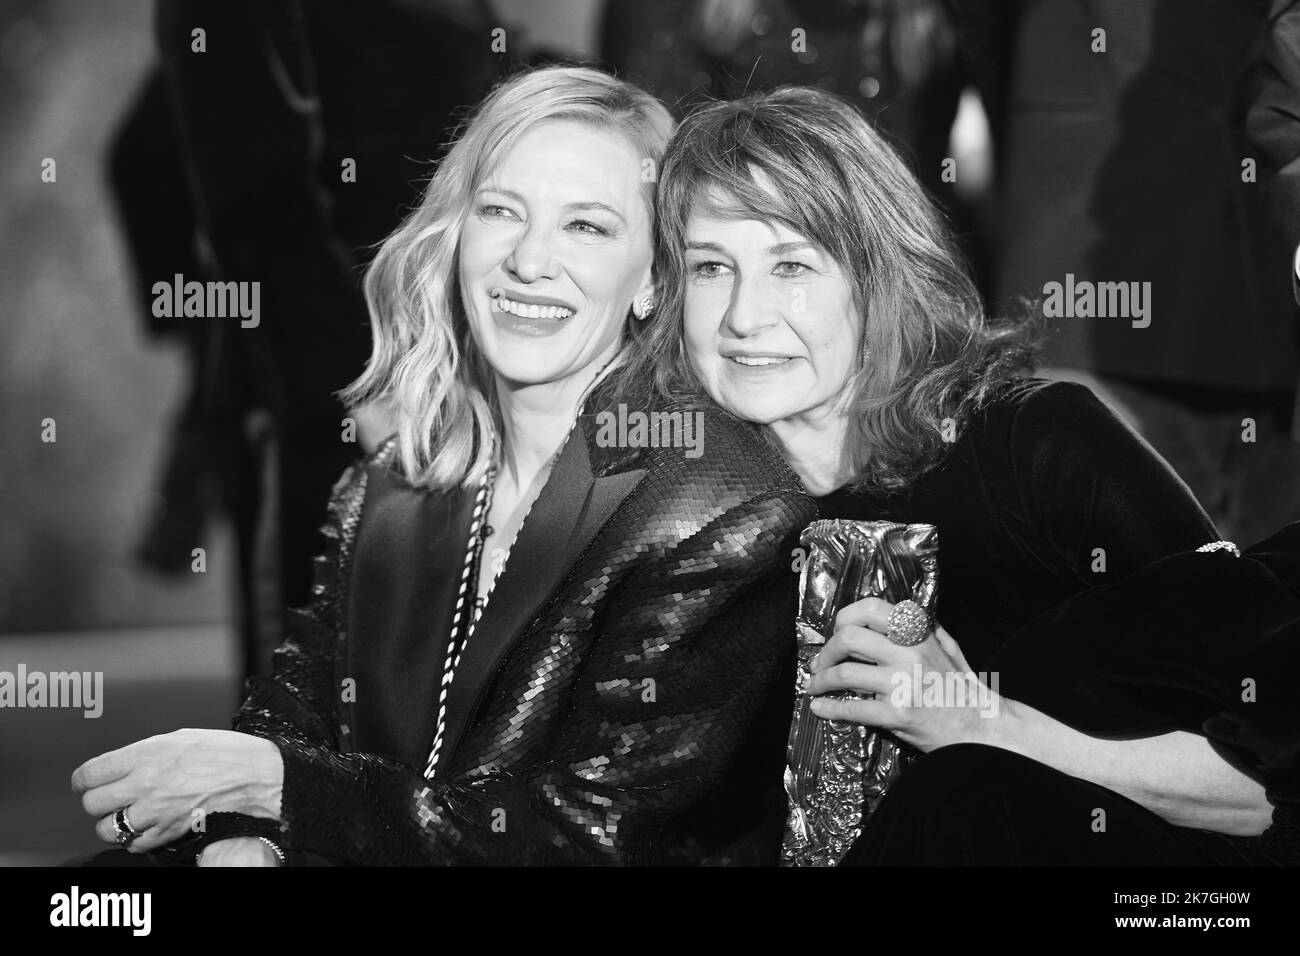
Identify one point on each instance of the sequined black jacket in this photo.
(625, 696)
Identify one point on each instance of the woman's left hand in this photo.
(164, 781)
(926, 694)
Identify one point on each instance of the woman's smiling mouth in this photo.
(523, 308)
(759, 361)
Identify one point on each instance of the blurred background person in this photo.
(1125, 160)
(300, 130)
(277, 150)
(1274, 127)
(898, 61)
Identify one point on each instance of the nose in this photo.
(533, 257)
(751, 309)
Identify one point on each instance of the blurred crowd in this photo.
(1149, 141)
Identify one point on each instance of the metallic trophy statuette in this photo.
(838, 771)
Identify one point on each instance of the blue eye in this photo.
(492, 211)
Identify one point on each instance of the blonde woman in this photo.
(529, 643)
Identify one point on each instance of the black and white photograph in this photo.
(729, 434)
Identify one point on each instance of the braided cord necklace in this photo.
(468, 607)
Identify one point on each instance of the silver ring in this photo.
(908, 624)
(122, 826)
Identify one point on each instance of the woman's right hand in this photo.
(238, 851)
(164, 781)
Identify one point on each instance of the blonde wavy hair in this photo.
(425, 365)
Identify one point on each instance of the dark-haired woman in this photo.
(812, 288)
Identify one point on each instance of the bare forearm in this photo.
(1176, 775)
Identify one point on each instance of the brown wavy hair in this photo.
(935, 356)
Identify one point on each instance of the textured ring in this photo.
(908, 623)
(1220, 546)
(122, 826)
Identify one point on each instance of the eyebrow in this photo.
(574, 206)
(780, 249)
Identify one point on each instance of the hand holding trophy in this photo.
(838, 771)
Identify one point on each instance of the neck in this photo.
(536, 418)
(815, 445)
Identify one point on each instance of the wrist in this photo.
(262, 793)
(241, 852)
(1005, 727)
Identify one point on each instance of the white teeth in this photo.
(529, 311)
(758, 360)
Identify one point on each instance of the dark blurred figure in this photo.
(1127, 166)
(898, 61)
(1274, 125)
(236, 166)
(148, 181)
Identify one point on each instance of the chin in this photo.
(757, 406)
(760, 413)
(513, 369)
(524, 360)
(526, 373)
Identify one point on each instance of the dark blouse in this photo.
(1205, 643)
(1044, 494)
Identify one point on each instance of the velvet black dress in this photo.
(1045, 499)
(1046, 493)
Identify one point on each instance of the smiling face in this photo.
(556, 247)
(769, 321)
